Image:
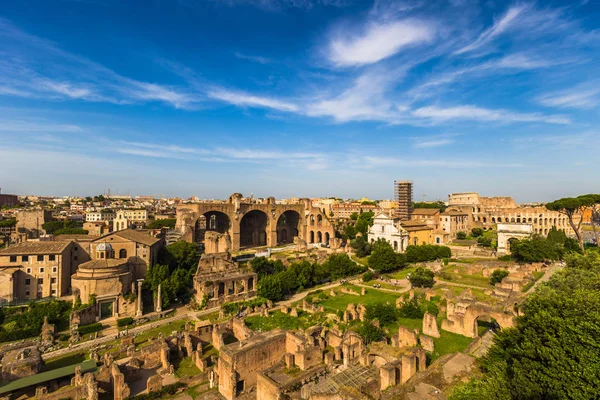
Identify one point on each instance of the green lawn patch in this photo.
(449, 343)
(186, 367)
(166, 330)
(536, 277)
(341, 300)
(65, 361)
(402, 273)
(276, 319)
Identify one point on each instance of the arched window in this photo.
(122, 253)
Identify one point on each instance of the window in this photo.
(52, 280)
(25, 258)
(75, 258)
(27, 293)
(54, 269)
(41, 270)
(13, 258)
(28, 270)
(40, 281)
(54, 292)
(122, 253)
(27, 282)
(51, 257)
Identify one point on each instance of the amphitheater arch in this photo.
(287, 226)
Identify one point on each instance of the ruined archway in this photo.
(287, 227)
(211, 221)
(319, 237)
(253, 229)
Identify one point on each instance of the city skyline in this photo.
(299, 98)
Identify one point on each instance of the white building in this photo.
(100, 216)
(125, 219)
(385, 227)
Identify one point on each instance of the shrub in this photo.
(411, 309)
(476, 232)
(498, 275)
(368, 276)
(461, 235)
(91, 328)
(506, 257)
(427, 253)
(385, 313)
(168, 390)
(370, 333)
(422, 277)
(124, 322)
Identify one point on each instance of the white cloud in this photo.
(470, 112)
(258, 59)
(378, 42)
(248, 100)
(39, 126)
(373, 162)
(582, 96)
(500, 26)
(432, 143)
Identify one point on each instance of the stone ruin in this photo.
(463, 312)
(21, 363)
(48, 332)
(430, 326)
(353, 313)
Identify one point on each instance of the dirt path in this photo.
(554, 268)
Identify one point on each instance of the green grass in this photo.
(186, 367)
(463, 277)
(166, 330)
(449, 343)
(409, 323)
(276, 319)
(361, 260)
(402, 273)
(341, 300)
(64, 360)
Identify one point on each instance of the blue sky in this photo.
(300, 98)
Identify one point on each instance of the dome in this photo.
(104, 247)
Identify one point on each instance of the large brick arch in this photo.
(235, 209)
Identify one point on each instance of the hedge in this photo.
(427, 253)
(124, 322)
(91, 328)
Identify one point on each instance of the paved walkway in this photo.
(554, 268)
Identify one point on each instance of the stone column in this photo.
(158, 301)
(138, 313)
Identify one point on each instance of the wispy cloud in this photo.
(470, 112)
(373, 162)
(37, 126)
(258, 59)
(431, 141)
(583, 96)
(378, 41)
(69, 76)
(500, 26)
(248, 100)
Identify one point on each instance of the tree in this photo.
(422, 277)
(262, 266)
(361, 246)
(354, 216)
(498, 275)
(476, 232)
(383, 257)
(340, 266)
(461, 235)
(552, 352)
(270, 288)
(572, 206)
(368, 276)
(370, 333)
(180, 254)
(593, 201)
(160, 223)
(52, 226)
(537, 249)
(385, 313)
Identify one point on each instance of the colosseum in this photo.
(254, 223)
(489, 211)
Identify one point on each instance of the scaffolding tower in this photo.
(403, 195)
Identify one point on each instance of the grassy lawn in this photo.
(464, 278)
(341, 300)
(402, 273)
(384, 285)
(449, 343)
(405, 322)
(65, 360)
(166, 330)
(361, 260)
(186, 367)
(276, 319)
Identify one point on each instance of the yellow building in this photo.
(419, 233)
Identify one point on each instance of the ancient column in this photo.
(158, 301)
(138, 313)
